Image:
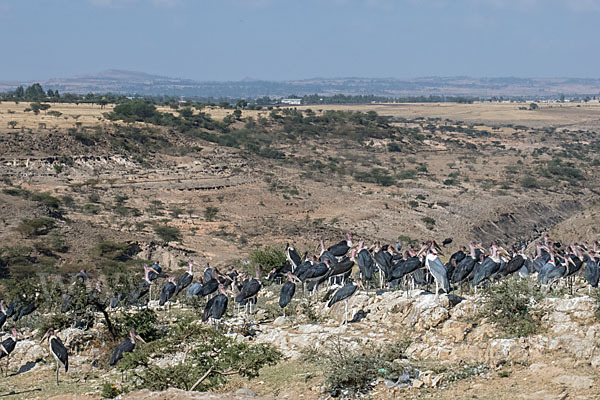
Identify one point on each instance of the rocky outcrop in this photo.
(442, 329)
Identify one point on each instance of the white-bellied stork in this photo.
(58, 350)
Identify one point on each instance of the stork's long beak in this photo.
(138, 337)
(44, 337)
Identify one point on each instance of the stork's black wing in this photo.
(60, 351)
(184, 281)
(339, 249)
(209, 287)
(249, 290)
(286, 294)
(343, 293)
(125, 346)
(365, 264)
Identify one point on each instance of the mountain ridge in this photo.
(122, 81)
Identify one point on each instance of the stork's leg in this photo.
(57, 372)
(284, 312)
(346, 312)
(437, 293)
(149, 295)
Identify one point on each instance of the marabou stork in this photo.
(2, 313)
(365, 262)
(515, 263)
(216, 307)
(340, 249)
(155, 272)
(195, 288)
(26, 308)
(344, 293)
(487, 268)
(143, 288)
(7, 346)
(437, 270)
(293, 257)
(287, 291)
(126, 346)
(315, 273)
(58, 350)
(446, 241)
(249, 292)
(186, 279)
(383, 259)
(168, 291)
(209, 285)
(591, 272)
(342, 268)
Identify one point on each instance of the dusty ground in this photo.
(263, 201)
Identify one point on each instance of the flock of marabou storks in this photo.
(382, 266)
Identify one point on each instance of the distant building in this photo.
(292, 102)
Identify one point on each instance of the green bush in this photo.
(269, 257)
(168, 233)
(36, 226)
(144, 323)
(110, 391)
(509, 304)
(118, 251)
(91, 209)
(208, 352)
(210, 213)
(529, 182)
(353, 371)
(430, 222)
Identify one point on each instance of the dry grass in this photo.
(89, 115)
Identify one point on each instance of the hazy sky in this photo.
(295, 39)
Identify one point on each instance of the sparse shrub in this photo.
(351, 372)
(168, 233)
(118, 251)
(529, 182)
(94, 198)
(144, 323)
(110, 391)
(509, 304)
(209, 354)
(430, 222)
(210, 213)
(269, 257)
(91, 209)
(36, 226)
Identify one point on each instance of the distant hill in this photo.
(132, 82)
